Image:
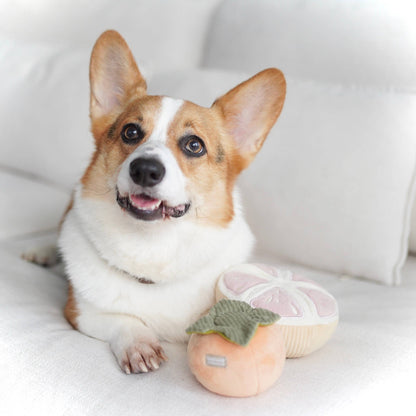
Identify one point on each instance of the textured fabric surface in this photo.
(332, 187)
(48, 368)
(28, 206)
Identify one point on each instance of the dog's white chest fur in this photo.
(106, 251)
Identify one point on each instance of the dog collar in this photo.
(144, 280)
(141, 279)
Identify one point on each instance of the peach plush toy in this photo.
(236, 350)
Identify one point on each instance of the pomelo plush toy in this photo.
(308, 313)
(236, 350)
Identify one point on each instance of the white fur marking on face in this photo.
(168, 110)
(172, 189)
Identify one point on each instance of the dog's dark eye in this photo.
(132, 133)
(193, 146)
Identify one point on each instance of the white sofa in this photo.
(330, 195)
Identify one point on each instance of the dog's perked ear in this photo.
(250, 110)
(114, 76)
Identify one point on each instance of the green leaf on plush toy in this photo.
(234, 320)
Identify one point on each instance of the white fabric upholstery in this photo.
(28, 206)
(349, 42)
(167, 34)
(48, 368)
(44, 110)
(321, 192)
(412, 238)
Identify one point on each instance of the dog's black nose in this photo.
(146, 172)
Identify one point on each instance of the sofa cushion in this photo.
(412, 238)
(351, 42)
(29, 206)
(44, 110)
(167, 34)
(333, 186)
(48, 368)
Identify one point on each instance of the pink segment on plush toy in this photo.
(278, 301)
(268, 269)
(238, 282)
(325, 305)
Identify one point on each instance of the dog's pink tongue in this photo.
(145, 202)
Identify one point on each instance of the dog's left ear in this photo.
(250, 109)
(114, 76)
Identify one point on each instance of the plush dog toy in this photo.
(264, 315)
(236, 350)
(308, 313)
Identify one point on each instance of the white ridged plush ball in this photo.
(309, 313)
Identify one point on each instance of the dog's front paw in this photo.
(46, 256)
(139, 356)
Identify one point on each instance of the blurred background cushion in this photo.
(351, 42)
(333, 186)
(44, 110)
(166, 34)
(412, 238)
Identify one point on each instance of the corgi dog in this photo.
(156, 217)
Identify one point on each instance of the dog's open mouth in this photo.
(146, 208)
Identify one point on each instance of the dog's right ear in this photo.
(114, 76)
